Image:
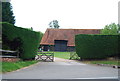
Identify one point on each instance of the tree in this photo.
(111, 29)
(7, 13)
(119, 28)
(54, 24)
(32, 28)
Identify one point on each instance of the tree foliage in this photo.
(54, 24)
(119, 28)
(7, 13)
(111, 29)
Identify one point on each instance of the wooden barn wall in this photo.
(51, 48)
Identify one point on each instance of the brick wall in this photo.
(9, 59)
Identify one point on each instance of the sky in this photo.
(75, 14)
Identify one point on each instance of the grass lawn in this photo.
(114, 62)
(11, 66)
(64, 55)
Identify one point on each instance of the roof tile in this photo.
(65, 34)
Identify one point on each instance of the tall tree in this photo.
(111, 29)
(0, 12)
(7, 13)
(119, 28)
(54, 24)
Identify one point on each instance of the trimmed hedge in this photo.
(24, 40)
(96, 46)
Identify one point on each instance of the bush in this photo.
(96, 46)
(24, 40)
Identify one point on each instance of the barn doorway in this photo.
(60, 45)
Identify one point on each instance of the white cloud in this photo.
(88, 14)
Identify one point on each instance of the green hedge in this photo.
(96, 46)
(24, 40)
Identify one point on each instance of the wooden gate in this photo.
(74, 56)
(44, 56)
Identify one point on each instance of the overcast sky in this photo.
(76, 14)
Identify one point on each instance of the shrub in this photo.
(96, 46)
(24, 40)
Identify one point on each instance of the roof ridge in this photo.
(63, 34)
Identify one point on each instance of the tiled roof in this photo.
(65, 34)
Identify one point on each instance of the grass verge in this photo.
(114, 62)
(11, 66)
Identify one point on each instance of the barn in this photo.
(63, 39)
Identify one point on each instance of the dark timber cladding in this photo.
(60, 45)
(63, 39)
